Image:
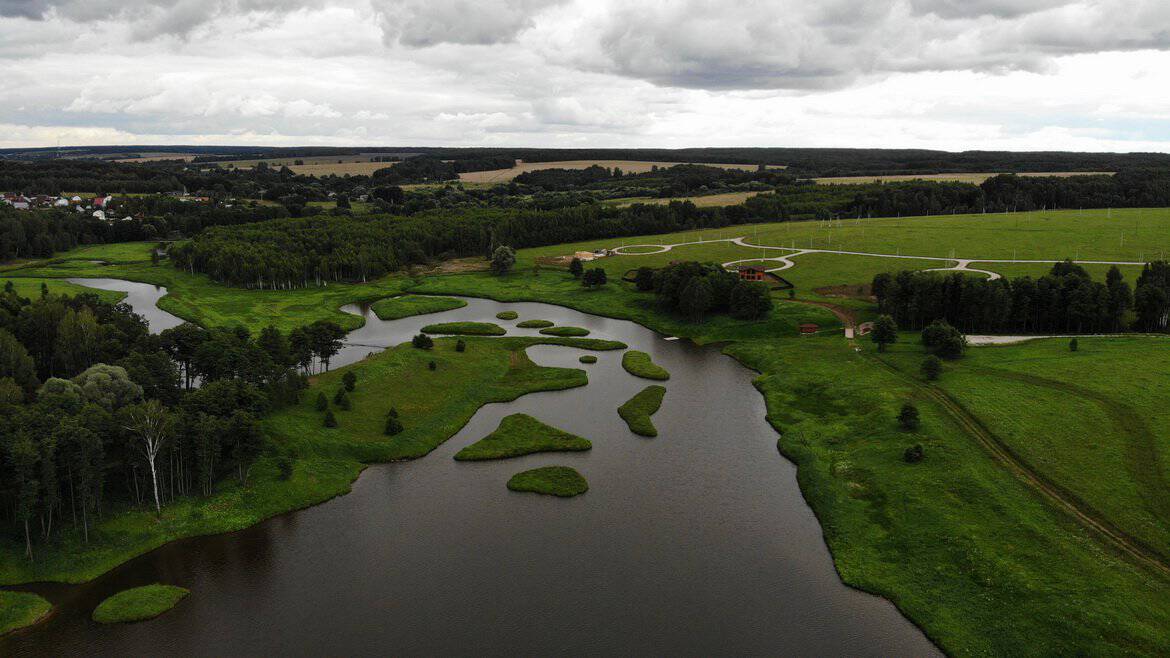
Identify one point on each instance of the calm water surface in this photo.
(697, 542)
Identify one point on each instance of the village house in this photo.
(751, 272)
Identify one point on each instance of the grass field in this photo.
(21, 609)
(404, 306)
(519, 435)
(560, 481)
(973, 177)
(638, 409)
(138, 604)
(1096, 421)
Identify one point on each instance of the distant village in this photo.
(99, 207)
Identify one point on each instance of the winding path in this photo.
(960, 264)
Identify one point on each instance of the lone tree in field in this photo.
(393, 426)
(349, 380)
(885, 332)
(931, 368)
(503, 258)
(460, 346)
(422, 342)
(908, 417)
(1073, 345)
(942, 339)
(341, 399)
(576, 268)
(322, 402)
(151, 423)
(330, 420)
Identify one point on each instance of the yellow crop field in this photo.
(634, 166)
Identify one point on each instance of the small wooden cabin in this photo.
(751, 272)
(809, 328)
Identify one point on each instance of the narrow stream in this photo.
(697, 542)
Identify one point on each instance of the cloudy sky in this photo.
(949, 74)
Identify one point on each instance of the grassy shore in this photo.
(560, 481)
(521, 434)
(465, 329)
(21, 609)
(405, 306)
(138, 604)
(639, 364)
(564, 331)
(638, 409)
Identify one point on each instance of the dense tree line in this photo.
(54, 176)
(98, 414)
(427, 169)
(697, 289)
(1066, 300)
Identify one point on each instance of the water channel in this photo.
(697, 542)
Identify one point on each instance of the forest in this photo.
(99, 414)
(1066, 300)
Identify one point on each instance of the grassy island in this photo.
(405, 306)
(20, 609)
(637, 411)
(521, 434)
(565, 331)
(507, 315)
(559, 481)
(465, 329)
(639, 364)
(138, 604)
(587, 358)
(534, 324)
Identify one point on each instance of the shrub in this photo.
(349, 380)
(1073, 345)
(341, 399)
(460, 346)
(322, 402)
(931, 367)
(284, 467)
(432, 365)
(393, 413)
(908, 417)
(644, 279)
(393, 426)
(503, 258)
(914, 454)
(422, 342)
(330, 420)
(576, 268)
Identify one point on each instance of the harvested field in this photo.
(635, 166)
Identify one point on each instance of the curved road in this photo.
(960, 264)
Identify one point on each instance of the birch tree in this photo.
(152, 425)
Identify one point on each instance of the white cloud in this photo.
(1052, 74)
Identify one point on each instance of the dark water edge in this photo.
(698, 542)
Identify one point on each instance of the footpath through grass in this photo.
(21, 609)
(638, 409)
(138, 604)
(519, 435)
(560, 481)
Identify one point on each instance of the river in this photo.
(697, 542)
